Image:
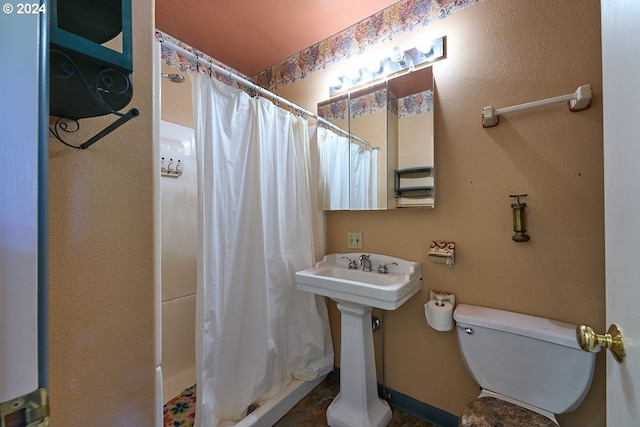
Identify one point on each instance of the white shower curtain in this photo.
(333, 169)
(347, 173)
(255, 330)
(363, 176)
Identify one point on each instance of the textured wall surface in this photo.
(101, 264)
(499, 54)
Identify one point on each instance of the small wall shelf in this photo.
(88, 78)
(404, 187)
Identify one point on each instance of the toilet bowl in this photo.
(528, 368)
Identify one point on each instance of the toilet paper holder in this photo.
(438, 311)
(441, 296)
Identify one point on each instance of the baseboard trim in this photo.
(412, 406)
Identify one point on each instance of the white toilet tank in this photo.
(533, 360)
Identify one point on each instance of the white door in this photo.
(20, 45)
(621, 92)
(23, 116)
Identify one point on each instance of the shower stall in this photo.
(212, 287)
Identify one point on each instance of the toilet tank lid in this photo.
(522, 324)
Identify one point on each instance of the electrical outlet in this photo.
(354, 240)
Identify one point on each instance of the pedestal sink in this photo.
(356, 292)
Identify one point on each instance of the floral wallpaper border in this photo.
(334, 110)
(417, 103)
(368, 103)
(410, 105)
(394, 20)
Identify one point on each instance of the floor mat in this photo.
(181, 410)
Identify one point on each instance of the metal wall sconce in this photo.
(519, 221)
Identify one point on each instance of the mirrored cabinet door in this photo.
(411, 97)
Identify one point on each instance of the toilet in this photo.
(528, 368)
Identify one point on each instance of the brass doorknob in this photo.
(613, 340)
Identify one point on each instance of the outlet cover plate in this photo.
(354, 240)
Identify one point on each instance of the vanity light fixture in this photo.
(373, 70)
(373, 66)
(427, 48)
(397, 54)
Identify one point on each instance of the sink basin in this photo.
(356, 291)
(332, 278)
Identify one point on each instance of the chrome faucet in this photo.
(384, 268)
(352, 263)
(365, 262)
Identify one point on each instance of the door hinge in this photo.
(30, 410)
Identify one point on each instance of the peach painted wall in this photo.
(175, 104)
(500, 54)
(102, 270)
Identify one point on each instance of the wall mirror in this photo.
(377, 151)
(412, 103)
(333, 154)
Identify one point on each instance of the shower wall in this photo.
(178, 243)
(178, 274)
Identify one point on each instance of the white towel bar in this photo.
(578, 101)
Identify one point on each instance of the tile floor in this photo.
(309, 412)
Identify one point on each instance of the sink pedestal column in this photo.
(357, 404)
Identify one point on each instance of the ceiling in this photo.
(252, 35)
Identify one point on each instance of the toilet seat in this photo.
(489, 410)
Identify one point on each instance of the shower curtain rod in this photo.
(260, 90)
